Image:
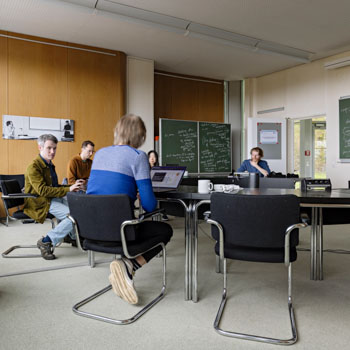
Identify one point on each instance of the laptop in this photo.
(166, 178)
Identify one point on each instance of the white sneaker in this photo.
(121, 279)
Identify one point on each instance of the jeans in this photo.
(59, 209)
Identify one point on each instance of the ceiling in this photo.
(318, 28)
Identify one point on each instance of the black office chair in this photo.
(13, 197)
(260, 229)
(105, 223)
(18, 177)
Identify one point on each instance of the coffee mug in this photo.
(204, 186)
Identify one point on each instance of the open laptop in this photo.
(166, 178)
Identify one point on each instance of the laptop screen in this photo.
(167, 176)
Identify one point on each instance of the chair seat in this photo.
(270, 255)
(19, 215)
(134, 248)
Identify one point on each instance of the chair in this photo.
(235, 219)
(20, 179)
(12, 197)
(105, 223)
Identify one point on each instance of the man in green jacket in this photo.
(41, 180)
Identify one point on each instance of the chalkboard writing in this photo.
(214, 148)
(344, 128)
(179, 143)
(202, 147)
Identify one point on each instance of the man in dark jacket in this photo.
(41, 180)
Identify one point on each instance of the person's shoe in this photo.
(121, 279)
(68, 239)
(46, 249)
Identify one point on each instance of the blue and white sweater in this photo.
(122, 170)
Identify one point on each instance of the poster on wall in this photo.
(30, 128)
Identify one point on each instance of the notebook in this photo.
(166, 178)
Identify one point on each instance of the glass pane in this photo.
(297, 147)
(320, 153)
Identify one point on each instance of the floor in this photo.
(36, 308)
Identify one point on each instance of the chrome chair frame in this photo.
(287, 263)
(6, 253)
(135, 317)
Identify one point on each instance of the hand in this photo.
(75, 187)
(80, 181)
(264, 172)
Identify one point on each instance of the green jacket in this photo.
(38, 181)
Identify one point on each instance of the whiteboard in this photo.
(37, 123)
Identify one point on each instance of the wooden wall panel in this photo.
(94, 93)
(187, 98)
(3, 104)
(56, 82)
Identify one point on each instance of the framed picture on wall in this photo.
(30, 128)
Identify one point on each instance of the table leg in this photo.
(195, 207)
(313, 244)
(188, 253)
(320, 241)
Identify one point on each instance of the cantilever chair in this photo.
(12, 197)
(260, 229)
(105, 223)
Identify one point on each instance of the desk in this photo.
(337, 198)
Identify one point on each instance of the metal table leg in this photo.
(195, 207)
(320, 241)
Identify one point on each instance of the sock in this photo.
(135, 264)
(47, 239)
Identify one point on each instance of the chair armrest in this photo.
(150, 214)
(207, 215)
(18, 195)
(287, 240)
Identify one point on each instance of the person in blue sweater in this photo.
(123, 169)
(255, 164)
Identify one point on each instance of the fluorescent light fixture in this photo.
(341, 62)
(278, 109)
(196, 30)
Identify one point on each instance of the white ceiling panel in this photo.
(317, 28)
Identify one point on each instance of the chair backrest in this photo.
(11, 187)
(18, 177)
(276, 182)
(99, 217)
(255, 220)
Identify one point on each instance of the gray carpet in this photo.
(35, 309)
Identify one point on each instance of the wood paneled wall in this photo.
(56, 82)
(187, 98)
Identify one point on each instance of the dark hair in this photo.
(86, 143)
(155, 154)
(9, 122)
(259, 150)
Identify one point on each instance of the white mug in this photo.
(204, 186)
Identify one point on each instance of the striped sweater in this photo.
(122, 170)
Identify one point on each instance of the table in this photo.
(191, 201)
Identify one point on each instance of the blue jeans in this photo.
(59, 209)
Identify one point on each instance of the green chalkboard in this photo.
(344, 128)
(214, 148)
(179, 143)
(202, 147)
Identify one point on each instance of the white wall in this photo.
(305, 91)
(140, 94)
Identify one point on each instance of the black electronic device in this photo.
(316, 185)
